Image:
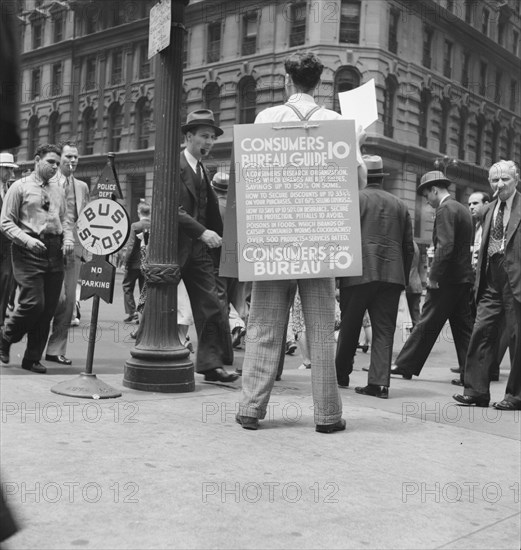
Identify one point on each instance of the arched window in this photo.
(33, 136)
(462, 132)
(212, 100)
(247, 100)
(87, 131)
(54, 127)
(115, 126)
(346, 78)
(444, 124)
(425, 102)
(391, 86)
(143, 123)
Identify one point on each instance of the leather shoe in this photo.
(330, 428)
(505, 405)
(5, 347)
(457, 382)
(372, 389)
(220, 375)
(247, 422)
(456, 370)
(60, 359)
(471, 400)
(238, 333)
(397, 371)
(34, 366)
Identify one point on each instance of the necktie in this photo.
(496, 235)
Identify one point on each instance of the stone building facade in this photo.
(447, 75)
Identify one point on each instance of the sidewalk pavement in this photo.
(151, 470)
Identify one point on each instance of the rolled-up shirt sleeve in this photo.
(9, 218)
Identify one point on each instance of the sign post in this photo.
(103, 227)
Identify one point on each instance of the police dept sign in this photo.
(103, 227)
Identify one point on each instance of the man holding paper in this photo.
(271, 300)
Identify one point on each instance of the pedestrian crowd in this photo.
(474, 281)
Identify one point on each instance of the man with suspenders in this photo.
(271, 300)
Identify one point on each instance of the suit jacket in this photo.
(133, 254)
(387, 244)
(415, 281)
(189, 228)
(512, 249)
(452, 239)
(5, 242)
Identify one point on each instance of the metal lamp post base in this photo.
(86, 386)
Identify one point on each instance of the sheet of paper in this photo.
(360, 104)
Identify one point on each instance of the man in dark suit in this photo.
(498, 292)
(132, 261)
(387, 253)
(200, 230)
(450, 280)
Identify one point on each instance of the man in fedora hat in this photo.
(450, 280)
(7, 168)
(387, 254)
(200, 230)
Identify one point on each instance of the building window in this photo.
(350, 22)
(444, 126)
(88, 131)
(35, 83)
(57, 79)
(394, 18)
(391, 86)
(480, 130)
(483, 78)
(462, 132)
(447, 59)
(54, 127)
(33, 136)
(91, 17)
(513, 95)
(425, 101)
(247, 98)
(212, 100)
(37, 27)
(297, 33)
(116, 76)
(465, 70)
(515, 42)
(428, 34)
(58, 26)
(90, 73)
(511, 139)
(495, 141)
(485, 18)
(144, 62)
(469, 4)
(213, 52)
(185, 50)
(501, 33)
(346, 78)
(249, 33)
(115, 126)
(143, 123)
(497, 87)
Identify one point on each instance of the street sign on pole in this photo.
(160, 22)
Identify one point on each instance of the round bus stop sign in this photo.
(103, 227)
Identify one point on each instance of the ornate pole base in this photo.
(159, 362)
(86, 385)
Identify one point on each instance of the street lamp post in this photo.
(159, 361)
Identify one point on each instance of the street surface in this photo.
(162, 471)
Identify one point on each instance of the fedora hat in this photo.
(201, 117)
(374, 166)
(220, 182)
(433, 178)
(7, 160)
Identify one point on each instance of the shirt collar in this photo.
(301, 97)
(446, 197)
(192, 161)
